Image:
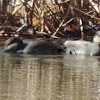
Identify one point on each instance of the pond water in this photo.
(66, 77)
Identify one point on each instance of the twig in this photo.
(63, 20)
(94, 6)
(42, 17)
(86, 13)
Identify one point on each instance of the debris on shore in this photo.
(51, 19)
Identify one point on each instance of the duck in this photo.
(82, 47)
(36, 47)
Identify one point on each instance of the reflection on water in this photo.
(25, 77)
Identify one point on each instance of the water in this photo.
(27, 77)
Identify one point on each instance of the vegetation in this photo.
(71, 19)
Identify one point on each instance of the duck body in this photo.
(16, 45)
(81, 47)
(42, 47)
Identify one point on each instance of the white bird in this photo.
(81, 47)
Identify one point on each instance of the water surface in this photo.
(67, 77)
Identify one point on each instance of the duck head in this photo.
(96, 38)
(13, 44)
